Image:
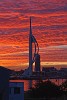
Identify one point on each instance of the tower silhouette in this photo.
(36, 57)
(33, 56)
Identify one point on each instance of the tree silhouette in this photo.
(64, 86)
(45, 89)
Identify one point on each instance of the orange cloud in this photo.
(49, 26)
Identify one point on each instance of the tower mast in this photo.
(30, 49)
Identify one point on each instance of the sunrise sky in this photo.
(49, 26)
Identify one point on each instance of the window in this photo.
(16, 90)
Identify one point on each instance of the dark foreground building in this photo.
(4, 83)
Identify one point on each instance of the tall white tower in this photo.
(36, 57)
(30, 50)
(32, 58)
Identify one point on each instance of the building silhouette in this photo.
(4, 83)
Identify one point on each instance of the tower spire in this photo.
(30, 26)
(32, 40)
(30, 48)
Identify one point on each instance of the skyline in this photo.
(49, 26)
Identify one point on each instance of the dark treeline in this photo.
(47, 90)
